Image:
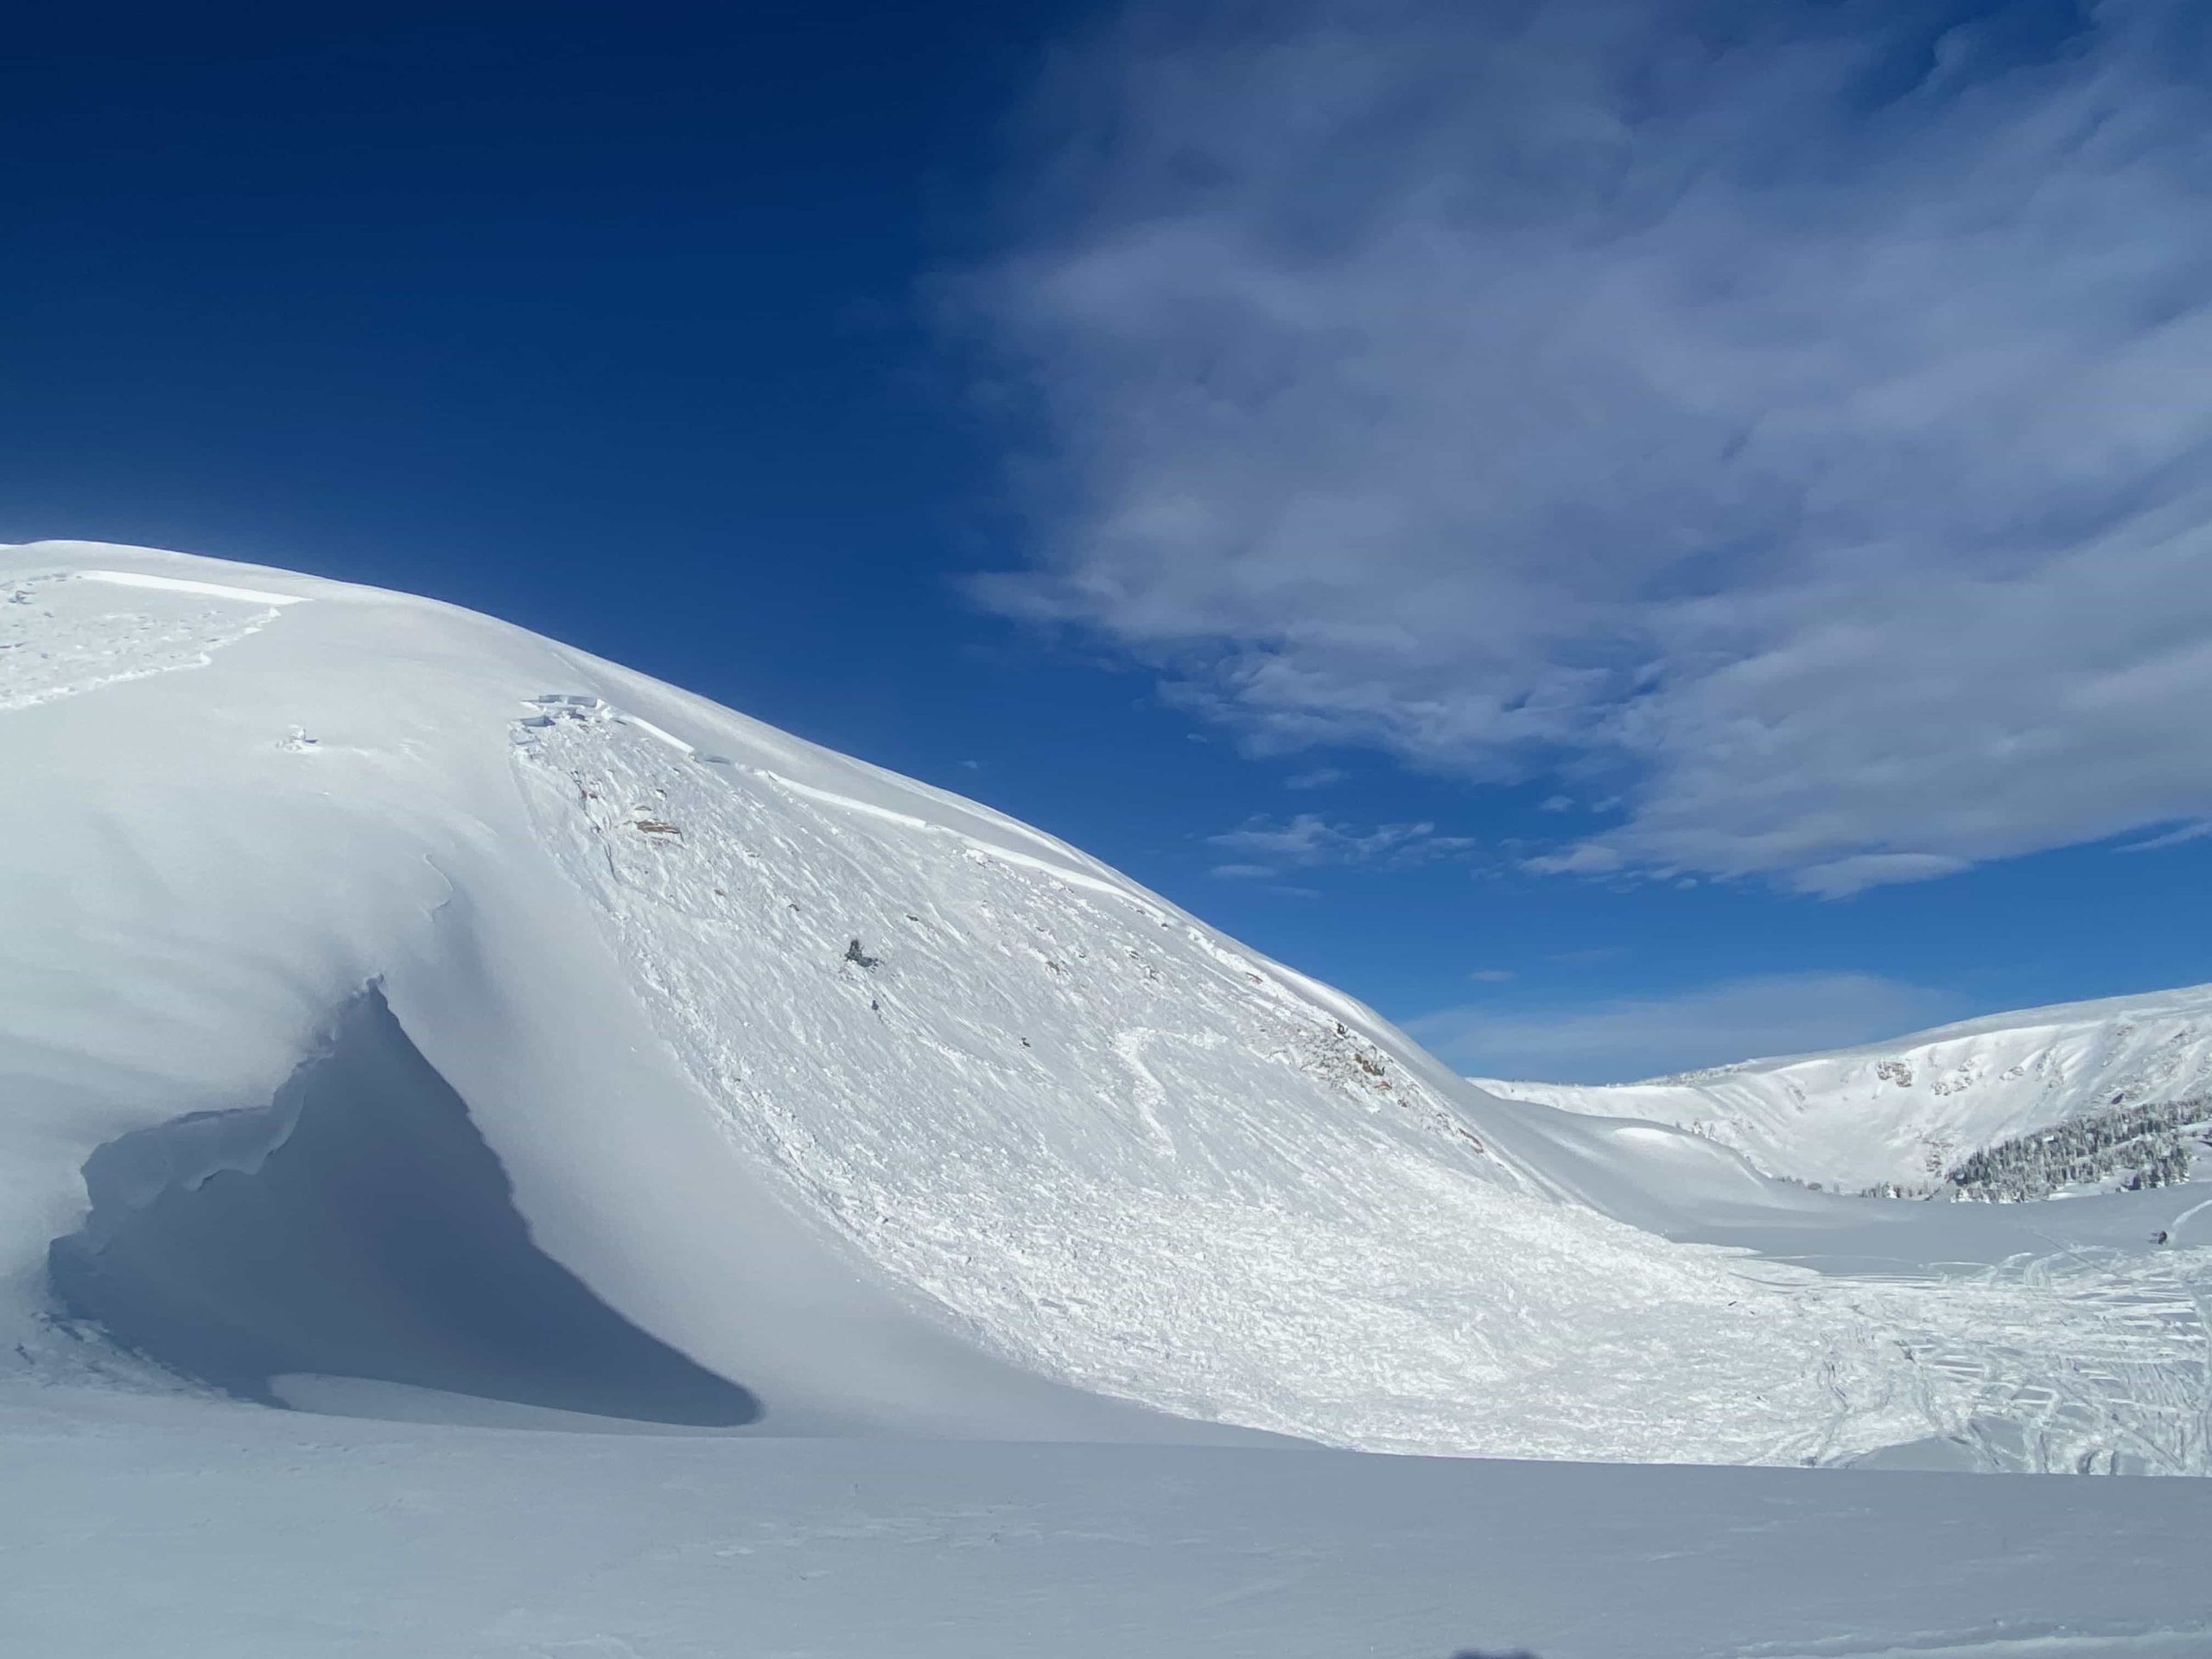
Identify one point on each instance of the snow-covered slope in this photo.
(894, 1115)
(1904, 1111)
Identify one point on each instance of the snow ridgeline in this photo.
(1908, 1113)
(899, 1116)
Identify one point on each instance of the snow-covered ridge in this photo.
(898, 1115)
(1904, 1111)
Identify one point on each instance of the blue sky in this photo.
(1626, 533)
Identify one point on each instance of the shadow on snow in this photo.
(356, 1227)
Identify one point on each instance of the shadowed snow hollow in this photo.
(896, 1114)
(357, 1227)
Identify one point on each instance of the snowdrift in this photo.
(809, 1100)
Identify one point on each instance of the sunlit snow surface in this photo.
(907, 1118)
(228, 1533)
(1905, 1111)
(915, 1125)
(1142, 1161)
(62, 634)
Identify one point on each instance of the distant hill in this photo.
(1905, 1111)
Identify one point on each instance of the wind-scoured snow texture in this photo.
(71, 632)
(903, 1117)
(217, 860)
(1121, 1150)
(1129, 1153)
(1905, 1111)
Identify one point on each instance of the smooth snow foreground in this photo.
(698, 1145)
(227, 1533)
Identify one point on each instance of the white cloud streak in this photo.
(2185, 833)
(1800, 422)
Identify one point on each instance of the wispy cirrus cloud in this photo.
(1308, 841)
(1793, 416)
(2174, 837)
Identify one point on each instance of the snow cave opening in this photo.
(357, 1227)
